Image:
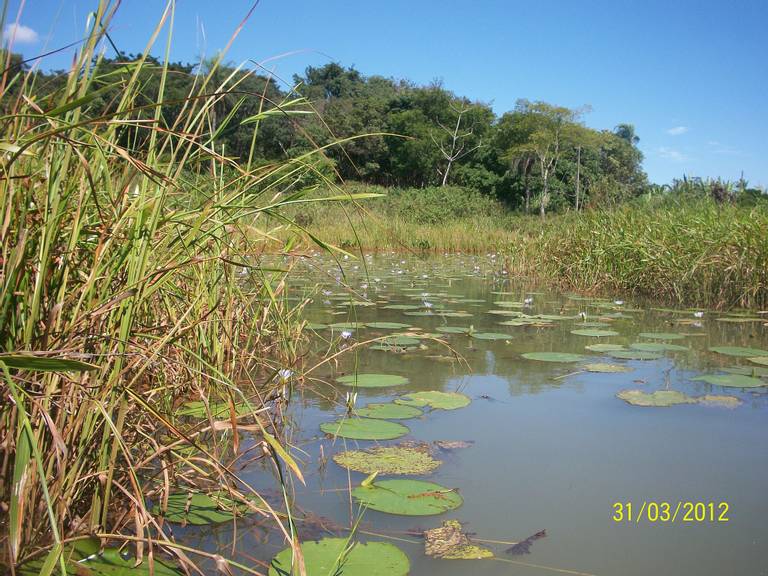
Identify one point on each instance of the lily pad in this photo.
(601, 367)
(605, 347)
(659, 398)
(717, 400)
(762, 360)
(635, 355)
(450, 543)
(331, 556)
(373, 380)
(401, 307)
(553, 356)
(197, 409)
(387, 325)
(661, 335)
(408, 497)
(201, 509)
(658, 347)
(453, 329)
(594, 332)
(388, 411)
(754, 371)
(365, 429)
(738, 351)
(86, 558)
(490, 336)
(731, 380)
(435, 399)
(403, 459)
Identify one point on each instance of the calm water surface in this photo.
(553, 447)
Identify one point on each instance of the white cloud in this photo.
(21, 34)
(671, 154)
(677, 130)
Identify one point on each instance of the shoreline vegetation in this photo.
(688, 250)
(150, 216)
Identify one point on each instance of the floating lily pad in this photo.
(200, 509)
(762, 360)
(408, 497)
(331, 556)
(661, 335)
(731, 380)
(455, 314)
(373, 380)
(405, 459)
(450, 543)
(365, 429)
(401, 307)
(635, 355)
(490, 336)
(658, 347)
(388, 411)
(600, 367)
(435, 399)
(553, 356)
(400, 341)
(85, 558)
(717, 400)
(197, 409)
(605, 347)
(740, 320)
(660, 398)
(453, 329)
(754, 371)
(387, 325)
(505, 304)
(738, 351)
(594, 332)
(345, 325)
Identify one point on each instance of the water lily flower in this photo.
(528, 301)
(698, 314)
(346, 334)
(284, 373)
(619, 302)
(427, 304)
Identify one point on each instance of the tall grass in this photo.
(694, 251)
(135, 251)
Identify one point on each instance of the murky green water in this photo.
(552, 446)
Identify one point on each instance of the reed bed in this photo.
(689, 252)
(137, 271)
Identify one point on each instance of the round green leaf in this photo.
(200, 509)
(435, 399)
(604, 347)
(661, 335)
(387, 325)
(738, 351)
(490, 336)
(594, 332)
(388, 410)
(373, 380)
(658, 347)
(660, 398)
(731, 380)
(635, 355)
(408, 497)
(762, 360)
(365, 429)
(553, 356)
(452, 329)
(600, 367)
(388, 460)
(327, 557)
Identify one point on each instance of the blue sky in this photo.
(692, 75)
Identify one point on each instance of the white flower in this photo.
(619, 302)
(285, 373)
(528, 301)
(346, 334)
(427, 304)
(699, 314)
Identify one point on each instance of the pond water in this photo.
(551, 446)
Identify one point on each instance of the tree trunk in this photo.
(526, 172)
(544, 197)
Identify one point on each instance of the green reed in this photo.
(136, 248)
